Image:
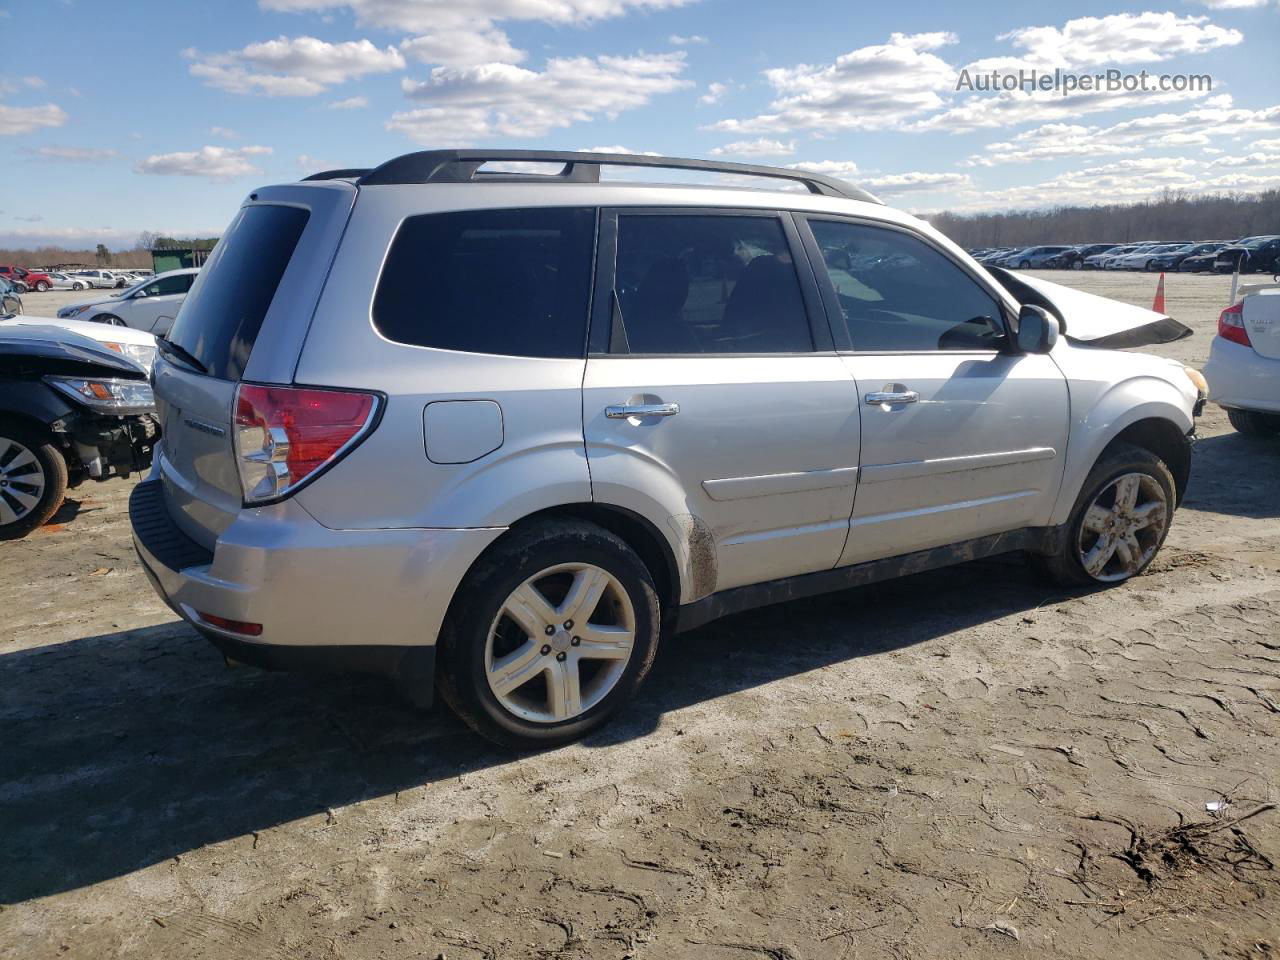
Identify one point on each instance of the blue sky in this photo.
(131, 115)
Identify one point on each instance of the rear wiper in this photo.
(168, 346)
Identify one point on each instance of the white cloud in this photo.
(496, 99)
(454, 34)
(463, 47)
(350, 103)
(761, 147)
(680, 41)
(292, 67)
(870, 88)
(1122, 38)
(1051, 141)
(426, 16)
(886, 184)
(10, 85)
(1234, 4)
(15, 120)
(1258, 159)
(714, 92)
(1216, 119)
(213, 163)
(72, 154)
(615, 148)
(226, 133)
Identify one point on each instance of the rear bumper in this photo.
(367, 600)
(1239, 377)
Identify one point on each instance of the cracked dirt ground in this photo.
(965, 763)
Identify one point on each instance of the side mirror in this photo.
(1037, 329)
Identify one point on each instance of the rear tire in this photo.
(33, 480)
(543, 679)
(1251, 423)
(1119, 521)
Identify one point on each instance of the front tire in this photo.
(109, 318)
(1251, 423)
(549, 635)
(1025, 265)
(42, 286)
(1119, 522)
(33, 480)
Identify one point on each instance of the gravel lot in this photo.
(1000, 770)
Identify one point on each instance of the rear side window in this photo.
(707, 284)
(220, 319)
(514, 282)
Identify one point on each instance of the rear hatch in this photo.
(1262, 321)
(245, 318)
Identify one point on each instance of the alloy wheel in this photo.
(22, 481)
(1123, 527)
(560, 643)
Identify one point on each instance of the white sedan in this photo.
(150, 305)
(1244, 361)
(138, 346)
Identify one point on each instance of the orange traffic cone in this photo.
(1158, 303)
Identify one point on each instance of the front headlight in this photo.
(144, 355)
(66, 313)
(1196, 377)
(120, 397)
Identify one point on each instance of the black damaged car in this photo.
(70, 410)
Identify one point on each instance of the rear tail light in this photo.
(1231, 325)
(285, 435)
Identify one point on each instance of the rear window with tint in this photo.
(220, 318)
(514, 282)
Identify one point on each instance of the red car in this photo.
(27, 279)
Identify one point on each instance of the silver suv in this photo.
(498, 432)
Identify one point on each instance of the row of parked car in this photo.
(1259, 254)
(24, 280)
(149, 304)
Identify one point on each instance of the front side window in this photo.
(168, 286)
(898, 293)
(513, 282)
(707, 284)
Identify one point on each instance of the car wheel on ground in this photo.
(1119, 521)
(33, 480)
(1151, 266)
(1252, 423)
(1077, 265)
(549, 635)
(1025, 264)
(42, 286)
(109, 318)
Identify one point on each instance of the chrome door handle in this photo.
(887, 396)
(625, 411)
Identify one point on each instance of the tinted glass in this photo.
(707, 284)
(513, 282)
(220, 320)
(899, 293)
(168, 286)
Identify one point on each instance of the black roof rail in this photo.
(355, 172)
(463, 166)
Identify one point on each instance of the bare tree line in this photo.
(1173, 215)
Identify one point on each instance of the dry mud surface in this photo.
(964, 763)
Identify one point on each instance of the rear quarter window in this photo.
(513, 282)
(222, 315)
